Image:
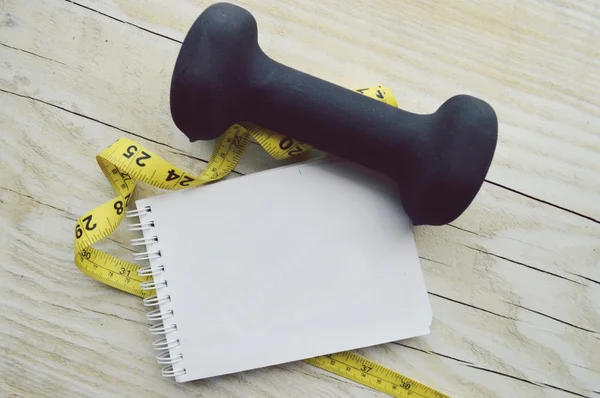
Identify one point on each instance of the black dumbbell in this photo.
(222, 77)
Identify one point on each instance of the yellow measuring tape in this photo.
(365, 372)
(126, 162)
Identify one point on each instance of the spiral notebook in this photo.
(278, 266)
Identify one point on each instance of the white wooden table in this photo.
(514, 283)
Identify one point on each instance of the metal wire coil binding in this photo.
(156, 300)
(144, 241)
(169, 371)
(153, 285)
(149, 271)
(164, 358)
(165, 344)
(160, 328)
(161, 299)
(147, 255)
(142, 226)
(158, 315)
(138, 212)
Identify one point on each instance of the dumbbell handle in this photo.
(332, 118)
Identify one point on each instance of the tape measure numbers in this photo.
(365, 372)
(126, 162)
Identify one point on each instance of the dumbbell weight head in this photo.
(222, 77)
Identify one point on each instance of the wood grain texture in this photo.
(514, 283)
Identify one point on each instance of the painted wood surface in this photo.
(514, 283)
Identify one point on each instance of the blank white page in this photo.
(286, 264)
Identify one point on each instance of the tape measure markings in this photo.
(112, 271)
(277, 145)
(127, 268)
(361, 370)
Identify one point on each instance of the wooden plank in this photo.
(482, 303)
(544, 82)
(514, 283)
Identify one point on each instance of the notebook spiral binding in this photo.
(157, 317)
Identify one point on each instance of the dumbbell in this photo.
(222, 77)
